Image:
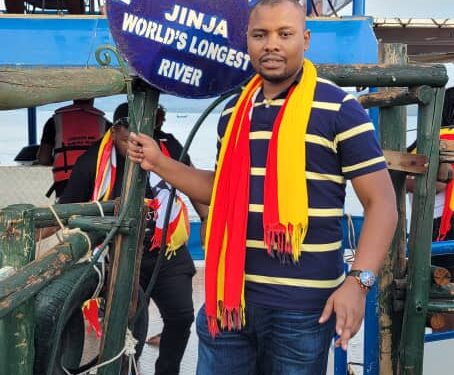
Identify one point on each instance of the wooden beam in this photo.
(405, 162)
(28, 87)
(384, 75)
(396, 97)
(446, 145)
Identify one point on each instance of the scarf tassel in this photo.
(230, 319)
(285, 240)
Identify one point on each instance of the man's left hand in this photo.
(348, 303)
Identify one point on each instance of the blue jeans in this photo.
(274, 342)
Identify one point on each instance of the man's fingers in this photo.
(346, 335)
(327, 311)
(340, 322)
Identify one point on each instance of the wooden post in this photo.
(17, 242)
(393, 122)
(123, 262)
(419, 245)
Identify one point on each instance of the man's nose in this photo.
(272, 43)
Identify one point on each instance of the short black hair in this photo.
(301, 3)
(121, 117)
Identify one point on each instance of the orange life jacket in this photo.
(76, 128)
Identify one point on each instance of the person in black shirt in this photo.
(172, 292)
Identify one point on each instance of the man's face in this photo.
(120, 137)
(276, 41)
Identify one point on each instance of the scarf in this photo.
(106, 169)
(448, 208)
(178, 229)
(285, 216)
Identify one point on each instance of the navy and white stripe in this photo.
(340, 145)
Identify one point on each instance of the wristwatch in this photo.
(365, 278)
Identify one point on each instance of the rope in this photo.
(67, 232)
(101, 210)
(351, 237)
(129, 349)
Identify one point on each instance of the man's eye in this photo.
(286, 34)
(257, 36)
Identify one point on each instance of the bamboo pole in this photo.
(393, 137)
(30, 87)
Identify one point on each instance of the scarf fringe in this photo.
(284, 240)
(228, 318)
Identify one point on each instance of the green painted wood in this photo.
(419, 245)
(441, 306)
(393, 122)
(126, 246)
(17, 329)
(31, 87)
(101, 224)
(45, 218)
(385, 75)
(34, 276)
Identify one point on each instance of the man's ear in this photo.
(307, 39)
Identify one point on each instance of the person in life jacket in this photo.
(98, 175)
(66, 136)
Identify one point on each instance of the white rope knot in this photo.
(130, 343)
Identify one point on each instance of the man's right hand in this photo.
(143, 150)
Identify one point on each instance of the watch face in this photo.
(367, 278)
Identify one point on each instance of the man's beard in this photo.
(275, 78)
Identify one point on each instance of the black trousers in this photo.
(172, 294)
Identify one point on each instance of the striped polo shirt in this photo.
(340, 145)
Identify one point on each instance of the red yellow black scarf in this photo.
(285, 215)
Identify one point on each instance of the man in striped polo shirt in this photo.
(276, 291)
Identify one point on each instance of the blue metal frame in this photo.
(430, 337)
(32, 137)
(442, 247)
(359, 7)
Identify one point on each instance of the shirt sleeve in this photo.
(356, 141)
(48, 136)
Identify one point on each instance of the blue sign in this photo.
(189, 48)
